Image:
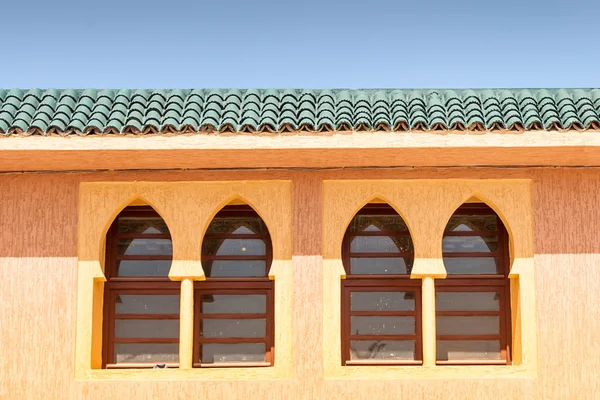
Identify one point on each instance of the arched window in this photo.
(234, 311)
(381, 305)
(473, 302)
(141, 304)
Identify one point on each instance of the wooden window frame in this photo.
(116, 285)
(499, 283)
(377, 283)
(241, 286)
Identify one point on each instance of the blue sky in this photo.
(302, 43)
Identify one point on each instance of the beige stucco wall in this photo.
(38, 270)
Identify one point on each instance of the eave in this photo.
(300, 150)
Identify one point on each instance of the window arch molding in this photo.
(141, 304)
(472, 303)
(408, 204)
(278, 243)
(426, 206)
(506, 218)
(381, 303)
(117, 196)
(375, 198)
(234, 303)
(97, 214)
(135, 200)
(184, 206)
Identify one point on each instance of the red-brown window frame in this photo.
(238, 285)
(499, 283)
(377, 283)
(116, 285)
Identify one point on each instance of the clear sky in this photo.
(300, 44)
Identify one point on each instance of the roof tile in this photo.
(146, 111)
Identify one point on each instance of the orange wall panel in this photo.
(38, 264)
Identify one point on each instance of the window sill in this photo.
(233, 365)
(140, 366)
(472, 362)
(396, 372)
(355, 363)
(176, 374)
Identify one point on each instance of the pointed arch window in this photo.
(141, 304)
(381, 305)
(473, 302)
(234, 307)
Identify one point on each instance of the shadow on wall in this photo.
(38, 215)
(566, 211)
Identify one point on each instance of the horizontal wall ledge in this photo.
(375, 149)
(467, 372)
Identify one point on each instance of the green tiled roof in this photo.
(91, 111)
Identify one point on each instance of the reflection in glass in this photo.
(375, 223)
(233, 247)
(146, 352)
(143, 268)
(221, 242)
(236, 226)
(382, 301)
(380, 266)
(382, 325)
(381, 244)
(234, 304)
(147, 304)
(142, 225)
(382, 349)
(482, 325)
(465, 223)
(470, 244)
(147, 328)
(471, 265)
(448, 350)
(467, 301)
(234, 268)
(378, 242)
(478, 235)
(145, 247)
(385, 234)
(233, 328)
(237, 352)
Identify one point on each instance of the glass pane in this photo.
(375, 223)
(237, 226)
(147, 304)
(485, 325)
(233, 304)
(470, 244)
(237, 352)
(471, 265)
(381, 266)
(234, 268)
(465, 223)
(155, 353)
(234, 328)
(144, 247)
(381, 244)
(382, 349)
(448, 350)
(145, 225)
(143, 267)
(147, 328)
(382, 325)
(234, 247)
(382, 301)
(467, 301)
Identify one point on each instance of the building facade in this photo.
(297, 244)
